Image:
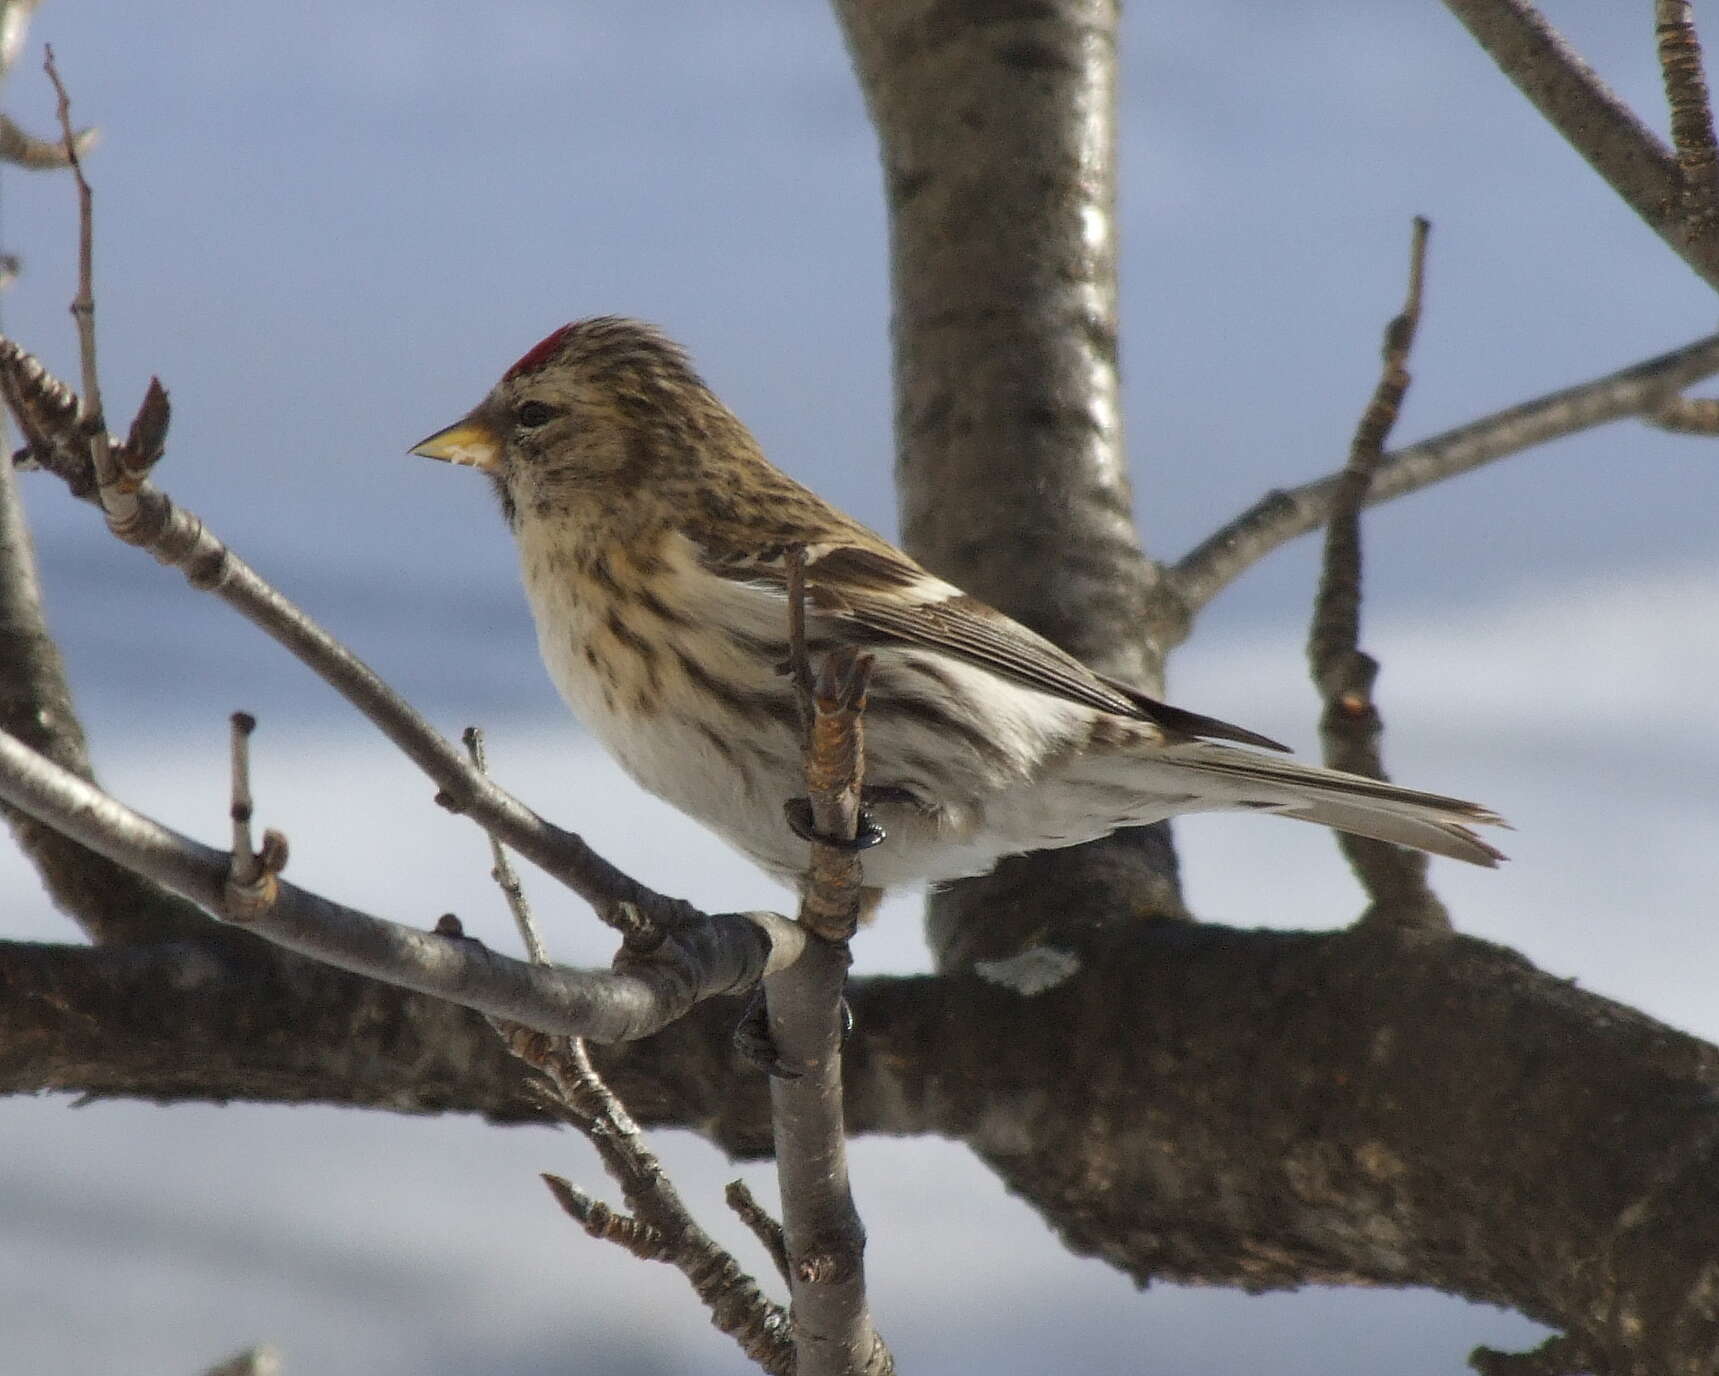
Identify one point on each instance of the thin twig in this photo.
(1632, 159)
(1277, 518)
(501, 868)
(660, 1227)
(1691, 115)
(252, 886)
(723, 954)
(1350, 728)
(765, 1228)
(83, 304)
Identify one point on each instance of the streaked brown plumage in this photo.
(652, 535)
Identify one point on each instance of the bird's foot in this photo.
(753, 1041)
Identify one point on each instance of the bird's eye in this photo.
(533, 414)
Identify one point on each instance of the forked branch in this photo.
(1649, 390)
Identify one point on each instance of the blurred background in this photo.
(329, 226)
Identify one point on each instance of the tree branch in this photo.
(822, 1232)
(697, 958)
(1350, 728)
(1277, 518)
(661, 1227)
(1631, 158)
(108, 902)
(1691, 115)
(1197, 1104)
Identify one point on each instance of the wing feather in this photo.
(880, 589)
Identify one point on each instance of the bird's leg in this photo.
(798, 812)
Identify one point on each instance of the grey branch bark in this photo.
(1199, 1104)
(996, 128)
(1643, 390)
(1632, 159)
(697, 957)
(108, 901)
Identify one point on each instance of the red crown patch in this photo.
(540, 353)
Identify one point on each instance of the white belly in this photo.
(730, 757)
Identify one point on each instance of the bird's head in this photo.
(604, 417)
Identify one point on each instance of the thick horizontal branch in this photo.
(698, 957)
(1278, 1109)
(1278, 517)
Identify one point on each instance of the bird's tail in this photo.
(1348, 802)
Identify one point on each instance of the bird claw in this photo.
(798, 812)
(753, 1041)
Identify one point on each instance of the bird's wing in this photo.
(879, 589)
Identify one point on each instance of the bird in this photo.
(655, 541)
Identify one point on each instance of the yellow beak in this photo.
(467, 441)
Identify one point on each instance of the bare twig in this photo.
(252, 886)
(701, 958)
(1632, 159)
(501, 868)
(1691, 115)
(83, 304)
(1641, 389)
(660, 1228)
(1350, 728)
(764, 1227)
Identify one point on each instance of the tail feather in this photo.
(1347, 802)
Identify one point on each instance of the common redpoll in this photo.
(652, 535)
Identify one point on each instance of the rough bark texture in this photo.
(1261, 1109)
(996, 125)
(110, 903)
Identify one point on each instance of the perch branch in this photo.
(501, 868)
(824, 1238)
(699, 958)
